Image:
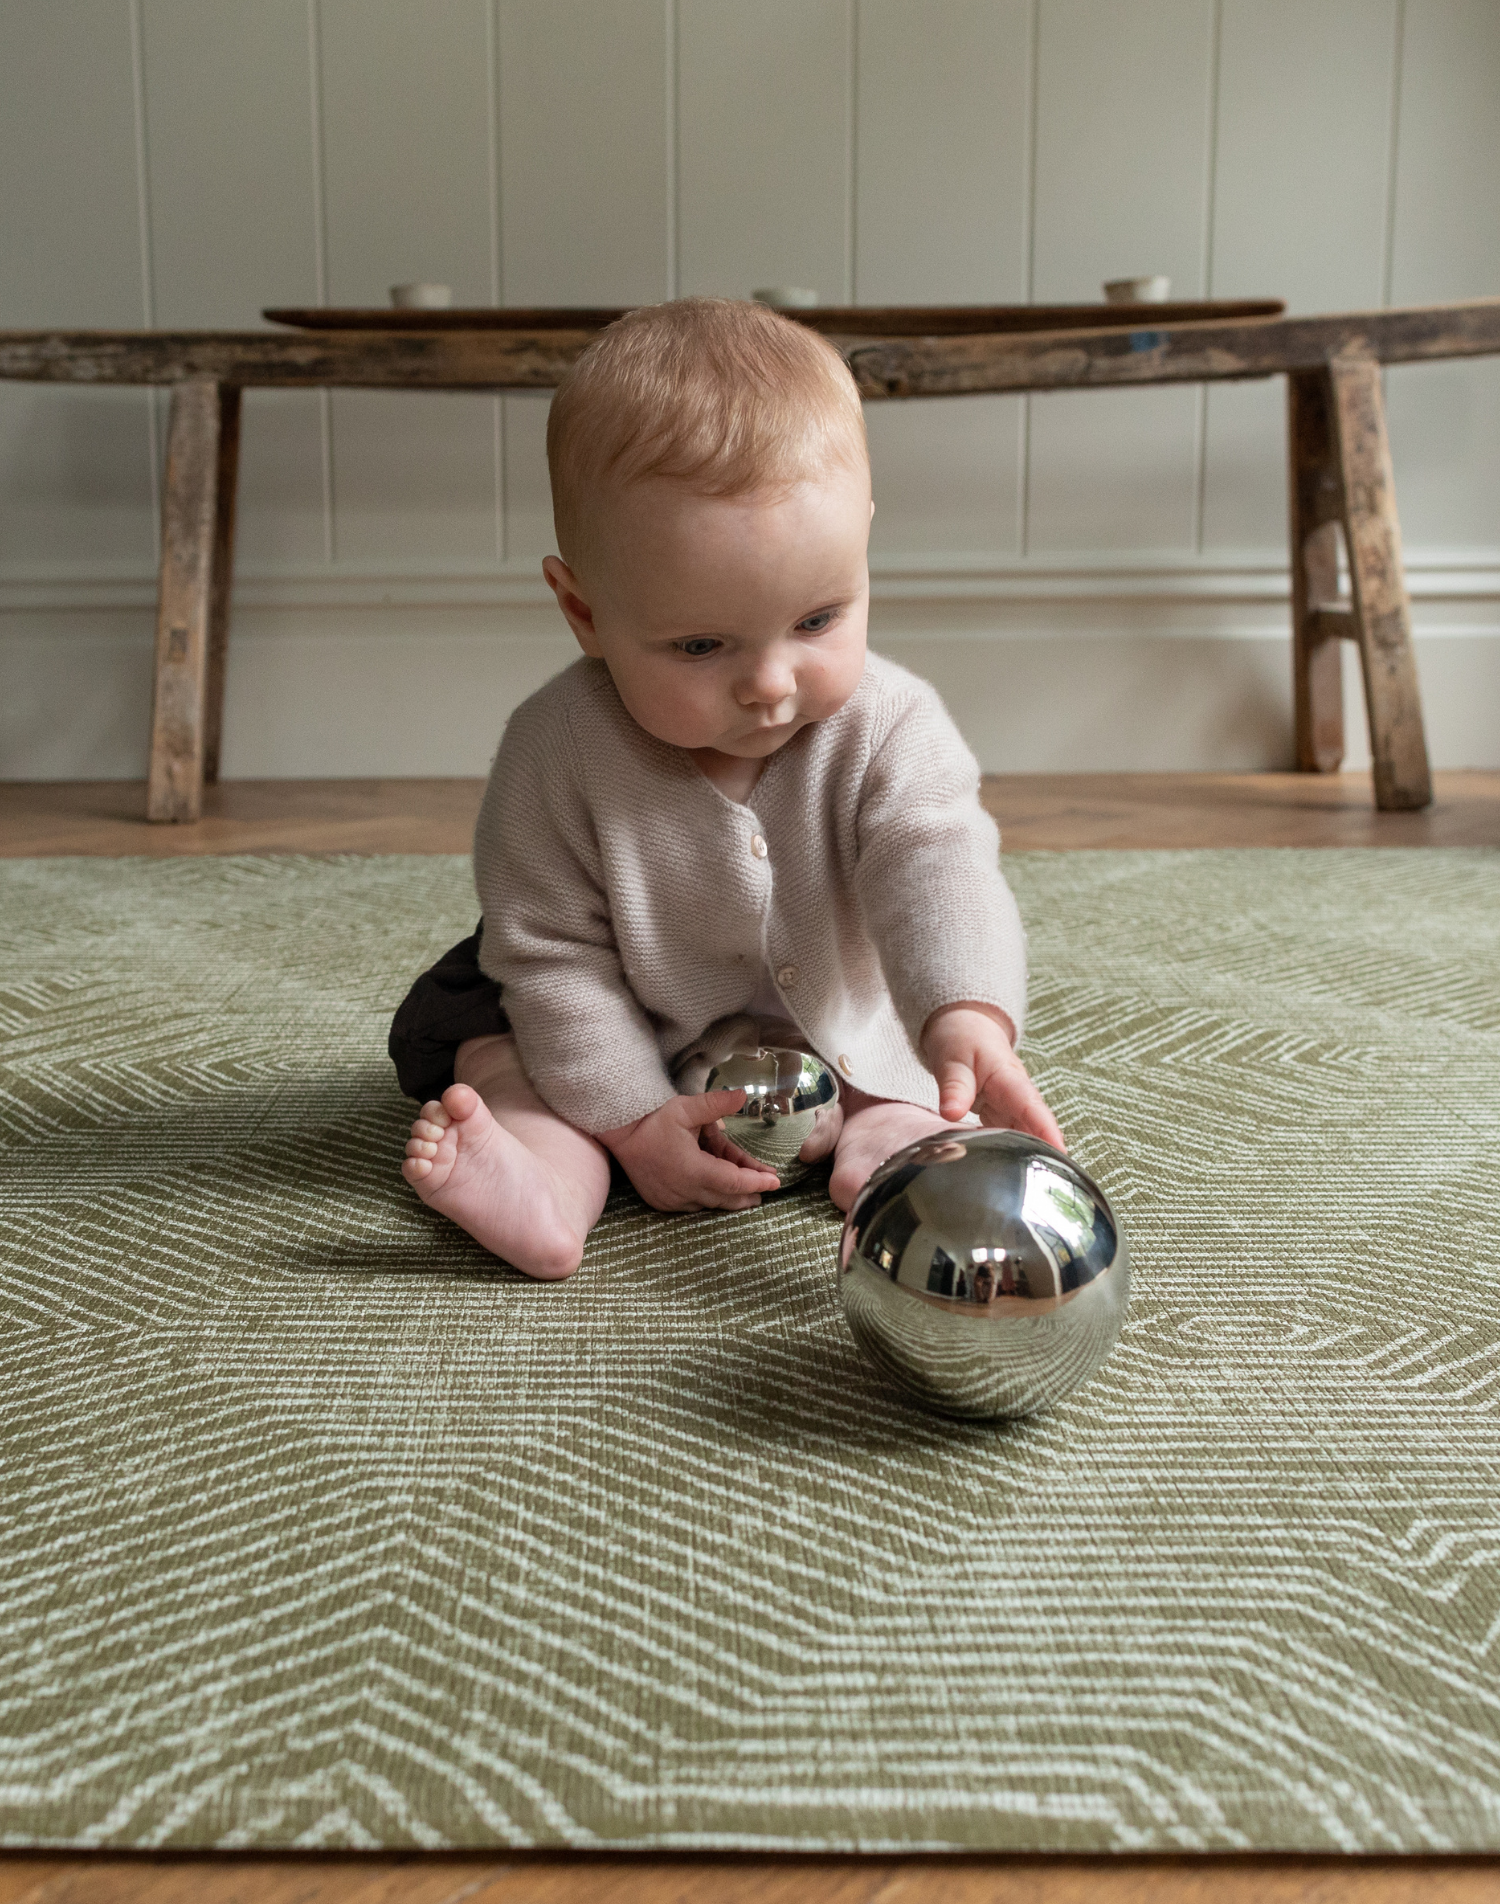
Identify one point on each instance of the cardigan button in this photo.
(786, 978)
(845, 1066)
(758, 846)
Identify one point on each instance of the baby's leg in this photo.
(491, 1156)
(874, 1128)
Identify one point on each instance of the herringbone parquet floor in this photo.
(1034, 811)
(1138, 811)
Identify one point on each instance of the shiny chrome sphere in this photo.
(788, 1092)
(984, 1271)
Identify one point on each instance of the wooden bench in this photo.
(1340, 475)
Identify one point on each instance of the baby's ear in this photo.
(580, 617)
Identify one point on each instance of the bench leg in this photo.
(1316, 498)
(192, 616)
(223, 577)
(1382, 614)
(1340, 479)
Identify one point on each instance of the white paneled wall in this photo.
(1094, 578)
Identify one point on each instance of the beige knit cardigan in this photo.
(629, 904)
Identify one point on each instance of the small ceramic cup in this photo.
(1138, 290)
(421, 297)
(787, 297)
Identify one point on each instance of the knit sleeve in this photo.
(586, 1042)
(928, 872)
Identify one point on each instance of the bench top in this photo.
(1146, 350)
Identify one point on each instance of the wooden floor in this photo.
(1035, 811)
(648, 1880)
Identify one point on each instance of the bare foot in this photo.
(875, 1131)
(461, 1162)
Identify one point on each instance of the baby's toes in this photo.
(431, 1146)
(427, 1132)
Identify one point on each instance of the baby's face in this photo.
(728, 624)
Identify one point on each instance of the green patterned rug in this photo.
(322, 1528)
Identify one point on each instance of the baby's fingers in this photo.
(717, 1183)
(955, 1082)
(716, 1142)
(709, 1106)
(1011, 1100)
(1039, 1121)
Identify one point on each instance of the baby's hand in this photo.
(969, 1050)
(664, 1156)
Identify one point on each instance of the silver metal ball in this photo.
(787, 1093)
(984, 1271)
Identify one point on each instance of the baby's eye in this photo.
(696, 646)
(815, 624)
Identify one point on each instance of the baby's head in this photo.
(711, 493)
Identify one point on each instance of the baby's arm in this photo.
(584, 1039)
(945, 920)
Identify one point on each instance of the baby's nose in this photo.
(771, 680)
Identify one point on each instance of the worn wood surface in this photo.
(1049, 811)
(221, 577)
(400, 360)
(1381, 612)
(1315, 504)
(1144, 353)
(192, 615)
(845, 320)
(1162, 810)
(68, 1879)
(1169, 353)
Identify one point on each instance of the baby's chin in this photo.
(764, 741)
(752, 746)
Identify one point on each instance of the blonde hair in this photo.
(726, 398)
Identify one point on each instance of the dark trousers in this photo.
(451, 1001)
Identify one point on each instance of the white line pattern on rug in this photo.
(321, 1528)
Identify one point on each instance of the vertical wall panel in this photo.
(947, 476)
(943, 135)
(528, 494)
(583, 151)
(1445, 418)
(584, 191)
(406, 140)
(1121, 175)
(763, 146)
(75, 473)
(234, 227)
(407, 195)
(1303, 163)
(941, 154)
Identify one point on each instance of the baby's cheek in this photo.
(670, 709)
(829, 691)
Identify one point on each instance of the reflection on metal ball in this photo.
(789, 1096)
(984, 1271)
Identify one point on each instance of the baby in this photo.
(728, 822)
